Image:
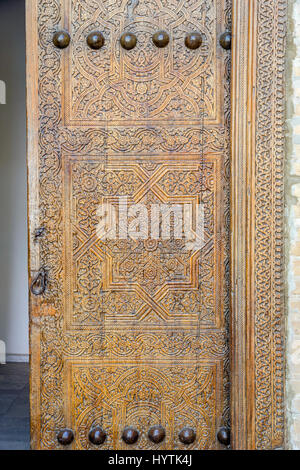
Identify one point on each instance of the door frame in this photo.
(257, 156)
(257, 204)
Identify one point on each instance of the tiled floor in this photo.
(14, 406)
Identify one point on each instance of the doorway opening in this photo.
(14, 368)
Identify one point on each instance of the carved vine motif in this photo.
(188, 344)
(51, 399)
(142, 140)
(269, 233)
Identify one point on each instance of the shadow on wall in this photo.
(13, 233)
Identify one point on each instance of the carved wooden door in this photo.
(128, 212)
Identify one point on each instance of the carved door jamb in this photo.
(257, 156)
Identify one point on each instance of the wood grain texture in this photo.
(243, 121)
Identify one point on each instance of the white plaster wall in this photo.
(13, 230)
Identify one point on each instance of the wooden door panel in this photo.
(135, 281)
(130, 331)
(116, 88)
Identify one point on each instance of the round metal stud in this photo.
(130, 435)
(225, 40)
(128, 41)
(224, 436)
(97, 436)
(187, 436)
(61, 39)
(161, 38)
(65, 437)
(95, 40)
(193, 40)
(156, 434)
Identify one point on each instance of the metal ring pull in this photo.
(95, 40)
(61, 39)
(38, 285)
(193, 40)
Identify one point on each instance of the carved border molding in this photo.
(258, 59)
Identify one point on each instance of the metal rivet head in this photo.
(193, 40)
(224, 436)
(156, 434)
(161, 38)
(128, 41)
(65, 437)
(225, 40)
(95, 40)
(61, 39)
(130, 435)
(97, 436)
(187, 436)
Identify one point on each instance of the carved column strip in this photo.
(269, 203)
(257, 234)
(243, 47)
